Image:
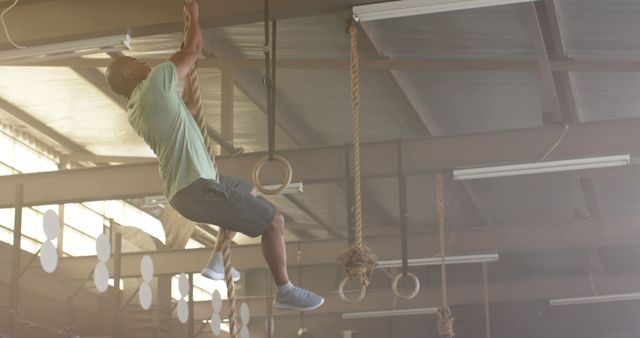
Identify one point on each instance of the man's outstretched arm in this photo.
(186, 57)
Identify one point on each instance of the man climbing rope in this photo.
(191, 182)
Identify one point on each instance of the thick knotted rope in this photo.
(445, 317)
(223, 235)
(358, 259)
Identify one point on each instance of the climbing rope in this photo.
(445, 317)
(358, 259)
(223, 235)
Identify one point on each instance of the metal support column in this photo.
(191, 308)
(402, 206)
(226, 106)
(116, 323)
(14, 289)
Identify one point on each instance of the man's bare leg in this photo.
(289, 297)
(274, 251)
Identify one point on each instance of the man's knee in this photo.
(278, 222)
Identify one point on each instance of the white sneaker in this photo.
(298, 299)
(219, 275)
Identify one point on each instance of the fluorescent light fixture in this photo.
(390, 313)
(64, 50)
(398, 9)
(542, 167)
(436, 260)
(595, 299)
(292, 188)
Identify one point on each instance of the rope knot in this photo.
(359, 262)
(445, 322)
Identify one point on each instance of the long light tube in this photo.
(436, 260)
(595, 299)
(390, 313)
(66, 49)
(398, 9)
(542, 167)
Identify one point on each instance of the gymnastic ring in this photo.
(288, 173)
(363, 292)
(397, 278)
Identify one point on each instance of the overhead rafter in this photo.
(550, 103)
(76, 18)
(374, 64)
(290, 121)
(312, 215)
(419, 156)
(509, 238)
(560, 52)
(539, 289)
(421, 115)
(97, 80)
(40, 127)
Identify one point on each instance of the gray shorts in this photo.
(227, 204)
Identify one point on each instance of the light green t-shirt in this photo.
(158, 114)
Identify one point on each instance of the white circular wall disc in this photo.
(215, 324)
(103, 248)
(101, 277)
(244, 332)
(146, 268)
(183, 311)
(183, 285)
(216, 301)
(245, 315)
(51, 224)
(145, 296)
(48, 257)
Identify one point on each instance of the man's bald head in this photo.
(124, 73)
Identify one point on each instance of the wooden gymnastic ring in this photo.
(363, 292)
(288, 174)
(396, 291)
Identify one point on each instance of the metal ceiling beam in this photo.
(311, 214)
(32, 23)
(369, 64)
(540, 237)
(40, 127)
(421, 115)
(419, 156)
(97, 80)
(475, 202)
(560, 52)
(290, 122)
(542, 289)
(550, 103)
